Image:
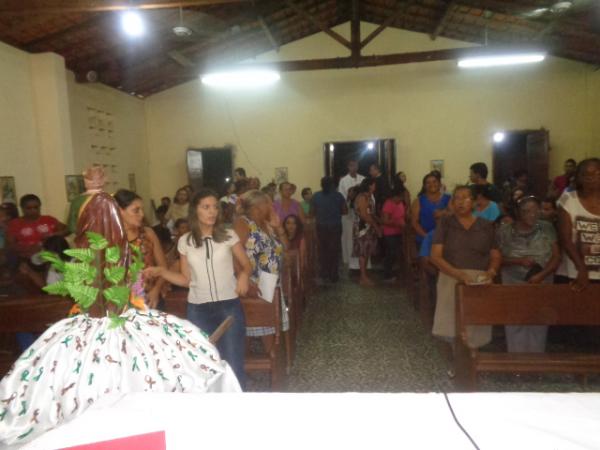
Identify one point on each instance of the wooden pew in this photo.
(427, 296)
(310, 239)
(260, 313)
(176, 302)
(291, 282)
(412, 271)
(29, 314)
(523, 305)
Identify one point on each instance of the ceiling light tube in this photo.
(501, 60)
(241, 78)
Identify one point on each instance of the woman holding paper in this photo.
(263, 236)
(207, 254)
(465, 251)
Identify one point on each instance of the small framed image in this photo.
(437, 164)
(132, 185)
(281, 175)
(74, 185)
(8, 191)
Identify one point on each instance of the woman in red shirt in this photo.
(26, 234)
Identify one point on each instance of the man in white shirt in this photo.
(353, 178)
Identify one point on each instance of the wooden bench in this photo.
(176, 302)
(29, 314)
(261, 313)
(523, 305)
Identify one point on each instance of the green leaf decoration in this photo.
(97, 241)
(53, 259)
(113, 254)
(80, 273)
(114, 274)
(116, 321)
(85, 255)
(58, 288)
(119, 295)
(84, 295)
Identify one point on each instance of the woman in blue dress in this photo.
(430, 204)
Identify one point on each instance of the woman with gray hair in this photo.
(262, 235)
(530, 254)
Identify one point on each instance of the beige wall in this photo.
(19, 145)
(129, 126)
(51, 105)
(433, 110)
(43, 124)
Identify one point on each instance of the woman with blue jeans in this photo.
(207, 254)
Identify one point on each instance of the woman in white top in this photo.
(207, 254)
(579, 225)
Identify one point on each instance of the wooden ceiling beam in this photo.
(316, 21)
(355, 29)
(24, 7)
(448, 11)
(363, 61)
(268, 33)
(389, 20)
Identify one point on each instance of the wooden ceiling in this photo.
(87, 32)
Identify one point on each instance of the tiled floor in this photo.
(372, 340)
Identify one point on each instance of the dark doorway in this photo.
(378, 151)
(209, 167)
(522, 150)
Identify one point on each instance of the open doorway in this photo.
(522, 150)
(375, 151)
(209, 167)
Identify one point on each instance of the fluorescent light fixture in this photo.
(132, 23)
(370, 146)
(241, 78)
(499, 137)
(501, 60)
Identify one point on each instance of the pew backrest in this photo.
(32, 313)
(527, 304)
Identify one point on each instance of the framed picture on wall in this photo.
(8, 192)
(437, 164)
(281, 175)
(74, 185)
(132, 185)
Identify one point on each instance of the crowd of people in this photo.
(220, 245)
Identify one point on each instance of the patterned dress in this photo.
(141, 287)
(364, 235)
(265, 253)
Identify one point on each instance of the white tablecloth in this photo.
(366, 421)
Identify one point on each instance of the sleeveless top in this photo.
(294, 209)
(427, 207)
(585, 234)
(264, 251)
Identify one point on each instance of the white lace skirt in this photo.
(80, 359)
